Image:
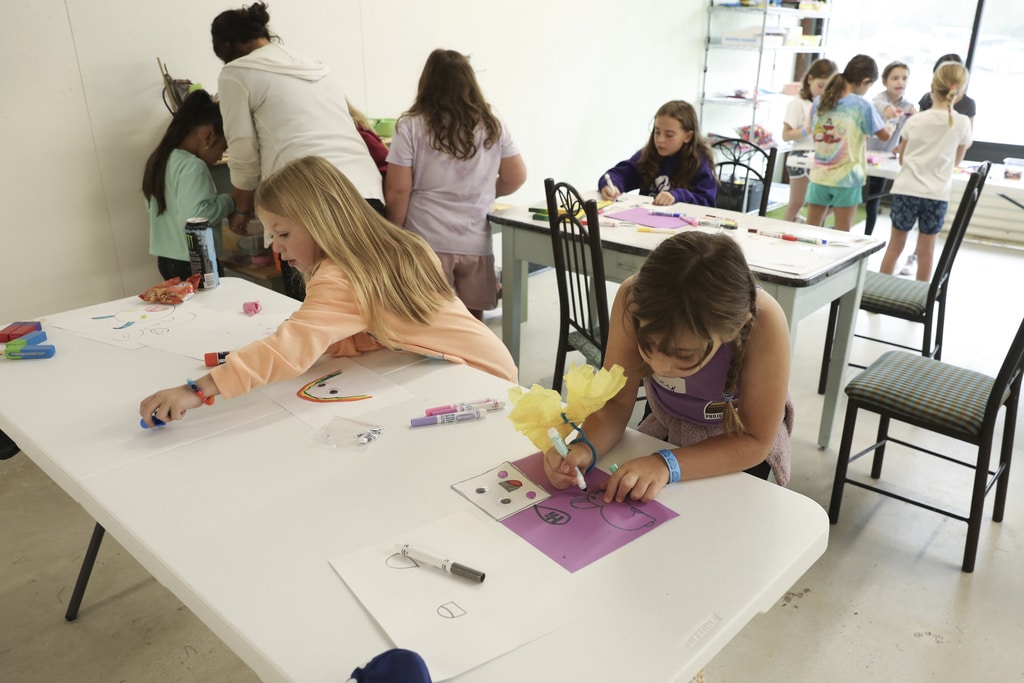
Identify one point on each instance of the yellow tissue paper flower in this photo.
(535, 411)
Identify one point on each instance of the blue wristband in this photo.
(582, 438)
(673, 465)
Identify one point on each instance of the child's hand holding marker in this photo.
(565, 471)
(609, 191)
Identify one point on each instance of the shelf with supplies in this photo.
(751, 53)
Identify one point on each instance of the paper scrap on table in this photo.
(501, 491)
(575, 528)
(335, 387)
(456, 624)
(643, 216)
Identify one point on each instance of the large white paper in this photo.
(335, 387)
(456, 624)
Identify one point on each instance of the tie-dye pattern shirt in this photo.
(840, 141)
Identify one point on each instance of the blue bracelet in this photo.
(673, 465)
(582, 438)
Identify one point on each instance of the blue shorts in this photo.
(836, 197)
(929, 214)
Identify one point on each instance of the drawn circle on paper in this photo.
(506, 501)
(481, 489)
(450, 610)
(400, 561)
(531, 494)
(502, 474)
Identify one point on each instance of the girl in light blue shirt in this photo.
(178, 185)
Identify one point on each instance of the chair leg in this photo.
(826, 356)
(977, 504)
(556, 381)
(83, 574)
(881, 438)
(842, 463)
(1005, 454)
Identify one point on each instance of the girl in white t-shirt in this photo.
(796, 128)
(934, 142)
(450, 157)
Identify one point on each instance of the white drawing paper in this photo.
(454, 623)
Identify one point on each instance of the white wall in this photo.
(576, 83)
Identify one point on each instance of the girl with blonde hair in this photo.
(934, 142)
(369, 285)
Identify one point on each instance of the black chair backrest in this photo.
(958, 229)
(579, 262)
(1008, 380)
(737, 161)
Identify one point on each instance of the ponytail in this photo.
(858, 69)
(198, 109)
(731, 421)
(948, 81)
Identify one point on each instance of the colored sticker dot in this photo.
(531, 494)
(506, 501)
(481, 489)
(502, 474)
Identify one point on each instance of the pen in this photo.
(462, 406)
(419, 555)
(563, 450)
(447, 418)
(660, 231)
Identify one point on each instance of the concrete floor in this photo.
(886, 602)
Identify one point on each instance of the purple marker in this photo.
(463, 406)
(447, 418)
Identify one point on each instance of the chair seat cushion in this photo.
(924, 391)
(590, 351)
(895, 296)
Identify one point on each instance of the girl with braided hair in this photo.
(713, 351)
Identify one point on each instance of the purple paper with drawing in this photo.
(575, 528)
(642, 216)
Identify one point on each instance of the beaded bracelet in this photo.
(199, 392)
(673, 465)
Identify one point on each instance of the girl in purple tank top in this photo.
(696, 328)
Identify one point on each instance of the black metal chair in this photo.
(744, 172)
(579, 270)
(912, 300)
(959, 403)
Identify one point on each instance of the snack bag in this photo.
(173, 291)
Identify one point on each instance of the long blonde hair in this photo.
(949, 81)
(391, 270)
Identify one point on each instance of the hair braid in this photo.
(730, 417)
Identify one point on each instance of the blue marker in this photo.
(157, 422)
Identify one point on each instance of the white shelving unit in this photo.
(750, 55)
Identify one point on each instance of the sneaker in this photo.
(910, 268)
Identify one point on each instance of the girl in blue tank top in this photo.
(712, 349)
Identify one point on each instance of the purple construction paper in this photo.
(642, 216)
(575, 528)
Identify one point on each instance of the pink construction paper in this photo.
(642, 216)
(575, 528)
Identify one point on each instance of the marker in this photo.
(30, 351)
(215, 358)
(608, 182)
(157, 422)
(716, 222)
(462, 406)
(563, 450)
(660, 231)
(791, 238)
(613, 469)
(420, 556)
(447, 418)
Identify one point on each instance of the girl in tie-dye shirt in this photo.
(843, 120)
